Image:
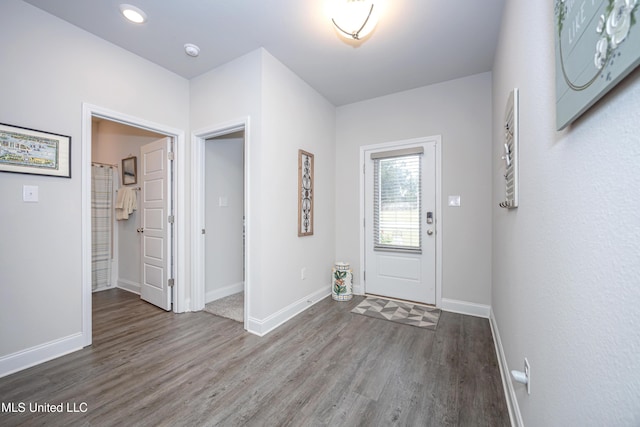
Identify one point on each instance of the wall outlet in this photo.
(527, 374)
(303, 273)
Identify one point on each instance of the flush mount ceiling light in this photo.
(133, 13)
(354, 19)
(191, 49)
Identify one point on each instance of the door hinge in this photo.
(364, 223)
(364, 167)
(171, 155)
(204, 231)
(171, 282)
(171, 219)
(364, 276)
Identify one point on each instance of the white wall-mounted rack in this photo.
(510, 156)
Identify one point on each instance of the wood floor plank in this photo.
(325, 367)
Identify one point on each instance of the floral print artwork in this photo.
(613, 28)
(597, 45)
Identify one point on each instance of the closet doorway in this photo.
(224, 225)
(124, 160)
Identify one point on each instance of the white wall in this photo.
(224, 178)
(294, 117)
(566, 266)
(49, 68)
(228, 93)
(285, 114)
(460, 111)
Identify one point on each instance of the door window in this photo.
(397, 200)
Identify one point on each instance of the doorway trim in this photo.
(179, 244)
(198, 140)
(360, 288)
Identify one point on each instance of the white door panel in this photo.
(155, 161)
(154, 219)
(153, 276)
(153, 248)
(154, 190)
(408, 274)
(156, 236)
(399, 267)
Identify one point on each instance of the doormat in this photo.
(399, 312)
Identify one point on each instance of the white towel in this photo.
(126, 203)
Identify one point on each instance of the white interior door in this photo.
(400, 208)
(156, 229)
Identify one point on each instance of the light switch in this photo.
(29, 193)
(454, 200)
(223, 201)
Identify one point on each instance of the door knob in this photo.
(429, 232)
(140, 230)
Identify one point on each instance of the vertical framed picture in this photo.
(305, 193)
(34, 152)
(130, 170)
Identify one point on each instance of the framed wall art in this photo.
(36, 152)
(305, 193)
(129, 170)
(597, 45)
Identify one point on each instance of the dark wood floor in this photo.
(326, 367)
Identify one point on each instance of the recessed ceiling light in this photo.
(133, 13)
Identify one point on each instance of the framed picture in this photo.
(597, 45)
(305, 193)
(130, 170)
(31, 151)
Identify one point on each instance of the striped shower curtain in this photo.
(101, 226)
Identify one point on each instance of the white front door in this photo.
(400, 219)
(156, 227)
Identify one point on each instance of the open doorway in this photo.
(170, 158)
(224, 225)
(116, 232)
(237, 137)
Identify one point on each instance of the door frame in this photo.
(360, 288)
(198, 141)
(179, 243)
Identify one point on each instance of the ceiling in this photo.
(416, 42)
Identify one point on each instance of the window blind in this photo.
(397, 200)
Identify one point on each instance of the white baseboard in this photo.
(39, 354)
(223, 292)
(357, 289)
(464, 307)
(128, 285)
(262, 327)
(512, 401)
(103, 288)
